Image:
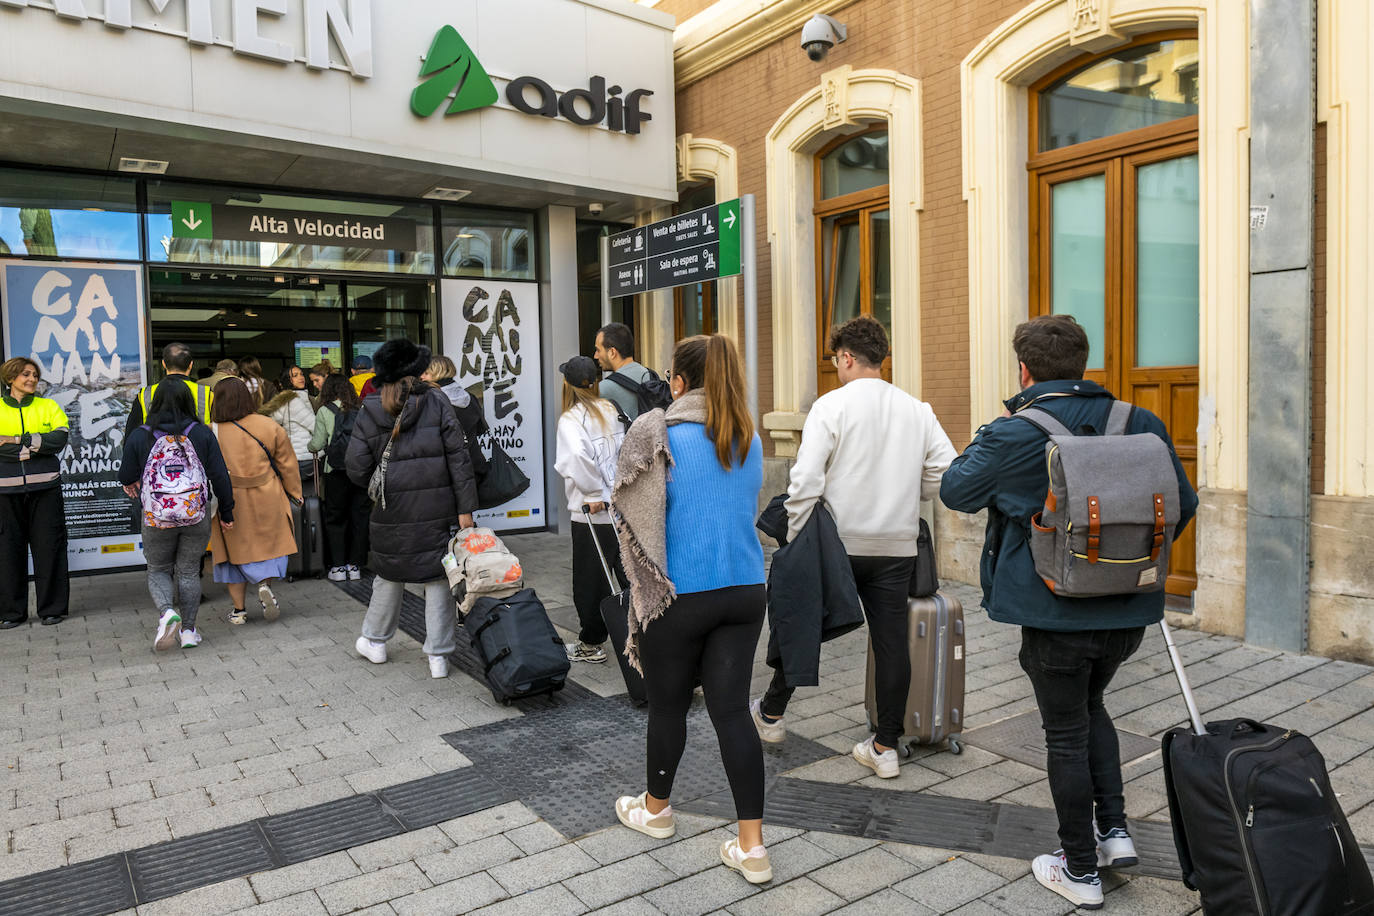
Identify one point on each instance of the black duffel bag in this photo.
(503, 480)
(520, 650)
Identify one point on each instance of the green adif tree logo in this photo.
(450, 64)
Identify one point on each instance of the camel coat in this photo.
(262, 515)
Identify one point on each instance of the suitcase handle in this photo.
(477, 633)
(496, 659)
(1199, 727)
(605, 567)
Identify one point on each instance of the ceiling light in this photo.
(279, 278)
(449, 194)
(143, 166)
(233, 324)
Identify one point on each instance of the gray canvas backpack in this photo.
(1110, 512)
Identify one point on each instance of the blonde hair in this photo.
(596, 405)
(711, 361)
(442, 367)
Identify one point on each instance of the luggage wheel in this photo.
(955, 745)
(904, 748)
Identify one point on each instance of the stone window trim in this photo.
(994, 79)
(846, 101)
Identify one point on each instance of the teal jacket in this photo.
(1003, 470)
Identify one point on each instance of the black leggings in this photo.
(715, 634)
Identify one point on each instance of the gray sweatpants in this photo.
(441, 614)
(173, 556)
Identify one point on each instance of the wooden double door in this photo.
(1116, 245)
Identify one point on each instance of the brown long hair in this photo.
(394, 394)
(596, 405)
(711, 361)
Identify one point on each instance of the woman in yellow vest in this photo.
(33, 431)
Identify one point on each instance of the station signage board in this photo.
(692, 247)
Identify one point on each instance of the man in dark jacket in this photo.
(1070, 647)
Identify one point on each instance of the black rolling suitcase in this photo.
(615, 611)
(308, 560)
(520, 650)
(1258, 829)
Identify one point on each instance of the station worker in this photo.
(176, 362)
(33, 432)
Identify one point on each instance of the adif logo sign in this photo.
(453, 73)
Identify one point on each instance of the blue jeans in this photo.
(1070, 672)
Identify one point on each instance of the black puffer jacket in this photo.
(429, 483)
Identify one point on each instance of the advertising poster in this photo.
(83, 324)
(491, 332)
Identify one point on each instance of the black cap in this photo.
(580, 371)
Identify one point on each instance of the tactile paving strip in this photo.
(573, 767)
(88, 889)
(434, 799)
(168, 869)
(931, 820)
(1021, 738)
(322, 829)
(412, 623)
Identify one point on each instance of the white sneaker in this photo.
(633, 814)
(168, 630)
(270, 609)
(884, 764)
(583, 652)
(374, 652)
(238, 617)
(338, 573)
(754, 864)
(770, 732)
(1115, 848)
(438, 666)
(1053, 872)
(354, 573)
(190, 638)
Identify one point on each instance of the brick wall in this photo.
(925, 39)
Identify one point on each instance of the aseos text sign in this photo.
(688, 248)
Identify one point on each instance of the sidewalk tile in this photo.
(212, 900)
(950, 885)
(376, 887)
(615, 882)
(481, 824)
(635, 906)
(460, 861)
(542, 869)
(404, 848)
(801, 897)
(304, 876)
(1025, 897)
(303, 904)
(691, 855)
(709, 890)
(461, 896)
(543, 902)
(536, 837)
(862, 874)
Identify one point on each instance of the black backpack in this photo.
(336, 452)
(651, 393)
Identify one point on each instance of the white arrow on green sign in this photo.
(192, 219)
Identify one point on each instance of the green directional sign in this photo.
(450, 64)
(729, 237)
(191, 219)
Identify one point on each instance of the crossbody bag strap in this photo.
(271, 461)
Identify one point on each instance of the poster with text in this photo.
(83, 324)
(491, 332)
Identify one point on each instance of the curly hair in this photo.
(1052, 347)
(864, 337)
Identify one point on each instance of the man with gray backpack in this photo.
(1085, 495)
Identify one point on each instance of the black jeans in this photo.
(346, 511)
(883, 584)
(589, 579)
(716, 633)
(1069, 673)
(36, 522)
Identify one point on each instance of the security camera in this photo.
(820, 34)
(595, 209)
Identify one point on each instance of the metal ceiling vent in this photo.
(143, 166)
(449, 194)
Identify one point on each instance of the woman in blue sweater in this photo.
(686, 492)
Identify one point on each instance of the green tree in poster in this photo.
(450, 64)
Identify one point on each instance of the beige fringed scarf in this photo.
(640, 499)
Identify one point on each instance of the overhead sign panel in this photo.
(688, 248)
(201, 220)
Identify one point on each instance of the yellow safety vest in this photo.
(204, 399)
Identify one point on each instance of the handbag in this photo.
(924, 580)
(376, 485)
(273, 462)
(503, 481)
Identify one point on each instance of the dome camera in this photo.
(820, 34)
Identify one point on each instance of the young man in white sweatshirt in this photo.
(872, 452)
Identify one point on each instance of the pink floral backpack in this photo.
(175, 489)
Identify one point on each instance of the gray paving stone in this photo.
(635, 906)
(800, 897)
(303, 904)
(216, 816)
(542, 902)
(1153, 897)
(211, 900)
(404, 848)
(887, 902)
(292, 799)
(536, 837)
(861, 875)
(612, 883)
(703, 892)
(459, 896)
(690, 855)
(950, 885)
(542, 869)
(375, 887)
(1025, 897)
(486, 823)
(163, 807)
(460, 861)
(292, 880)
(794, 858)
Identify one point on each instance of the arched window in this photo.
(1115, 228)
(853, 241)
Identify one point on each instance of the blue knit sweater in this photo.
(711, 539)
